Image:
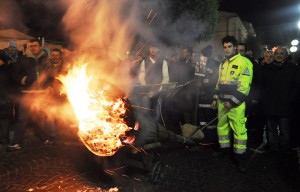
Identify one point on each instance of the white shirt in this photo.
(165, 72)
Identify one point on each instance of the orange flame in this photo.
(98, 115)
(101, 32)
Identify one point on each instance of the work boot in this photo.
(221, 152)
(241, 162)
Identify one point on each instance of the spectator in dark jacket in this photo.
(256, 120)
(31, 73)
(208, 84)
(187, 67)
(8, 57)
(31, 67)
(280, 85)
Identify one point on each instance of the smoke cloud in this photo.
(11, 15)
(103, 34)
(110, 29)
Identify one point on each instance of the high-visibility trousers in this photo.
(233, 119)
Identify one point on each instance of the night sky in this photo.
(273, 20)
(264, 12)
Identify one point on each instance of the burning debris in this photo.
(99, 115)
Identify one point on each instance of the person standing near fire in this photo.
(233, 86)
(30, 73)
(8, 89)
(152, 73)
(154, 70)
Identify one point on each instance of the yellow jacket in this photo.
(235, 77)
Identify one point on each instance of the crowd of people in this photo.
(26, 73)
(258, 95)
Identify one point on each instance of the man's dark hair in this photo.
(57, 50)
(246, 48)
(229, 39)
(189, 50)
(36, 40)
(207, 51)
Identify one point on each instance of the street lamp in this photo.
(293, 49)
(295, 42)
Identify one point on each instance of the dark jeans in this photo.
(279, 133)
(37, 121)
(4, 130)
(6, 118)
(256, 121)
(19, 125)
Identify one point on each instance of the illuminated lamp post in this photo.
(294, 48)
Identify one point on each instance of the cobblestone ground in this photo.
(68, 166)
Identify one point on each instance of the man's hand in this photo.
(23, 81)
(214, 104)
(150, 94)
(227, 105)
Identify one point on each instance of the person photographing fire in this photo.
(233, 86)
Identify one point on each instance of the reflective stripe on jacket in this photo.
(235, 77)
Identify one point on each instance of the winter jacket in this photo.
(235, 78)
(280, 83)
(33, 68)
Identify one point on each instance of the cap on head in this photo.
(12, 43)
(207, 51)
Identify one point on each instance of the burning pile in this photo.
(99, 115)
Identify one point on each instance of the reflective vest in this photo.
(235, 77)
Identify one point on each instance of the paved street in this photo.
(68, 166)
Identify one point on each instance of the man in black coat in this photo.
(208, 84)
(280, 83)
(256, 120)
(187, 66)
(31, 72)
(8, 57)
(32, 66)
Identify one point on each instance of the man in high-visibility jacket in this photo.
(233, 86)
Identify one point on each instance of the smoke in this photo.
(104, 33)
(103, 24)
(123, 24)
(11, 15)
(107, 31)
(170, 31)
